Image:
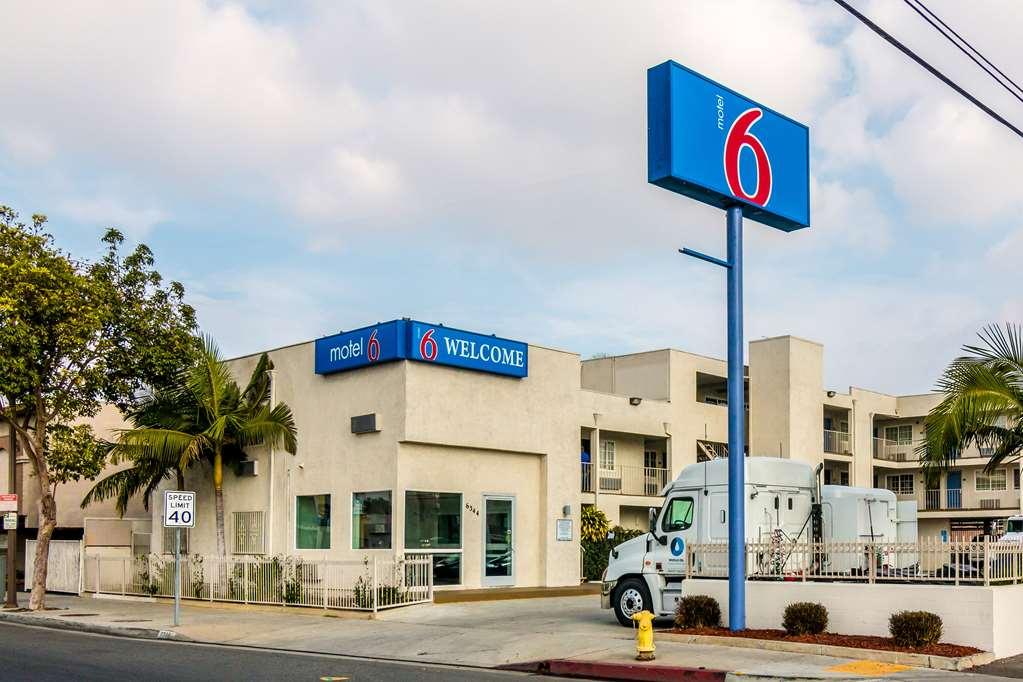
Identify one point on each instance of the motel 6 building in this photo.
(482, 451)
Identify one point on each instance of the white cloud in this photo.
(514, 134)
(106, 212)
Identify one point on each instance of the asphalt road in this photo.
(38, 654)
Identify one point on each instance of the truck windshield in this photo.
(1014, 526)
(679, 515)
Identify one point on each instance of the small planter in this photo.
(938, 656)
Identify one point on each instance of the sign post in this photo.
(178, 513)
(710, 143)
(8, 504)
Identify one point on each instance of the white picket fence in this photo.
(370, 585)
(960, 563)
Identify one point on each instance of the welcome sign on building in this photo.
(421, 342)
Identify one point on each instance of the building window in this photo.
(371, 520)
(312, 525)
(901, 434)
(607, 454)
(433, 524)
(900, 484)
(995, 480)
(678, 516)
(168, 540)
(248, 532)
(1015, 478)
(843, 478)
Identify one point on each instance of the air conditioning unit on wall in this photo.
(248, 468)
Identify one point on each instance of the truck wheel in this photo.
(631, 597)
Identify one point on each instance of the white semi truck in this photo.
(783, 497)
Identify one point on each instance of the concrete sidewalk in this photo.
(486, 634)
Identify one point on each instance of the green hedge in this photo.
(595, 552)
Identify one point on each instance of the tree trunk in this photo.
(218, 495)
(47, 519)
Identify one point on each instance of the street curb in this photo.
(94, 628)
(896, 657)
(606, 670)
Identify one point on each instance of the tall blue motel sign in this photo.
(421, 342)
(710, 143)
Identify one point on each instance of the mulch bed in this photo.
(855, 641)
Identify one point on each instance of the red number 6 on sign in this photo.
(739, 137)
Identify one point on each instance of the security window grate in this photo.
(248, 532)
(168, 540)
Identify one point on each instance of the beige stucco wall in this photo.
(786, 408)
(645, 375)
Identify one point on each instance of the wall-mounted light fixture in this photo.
(635, 400)
(831, 394)
(566, 510)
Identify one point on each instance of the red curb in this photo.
(606, 670)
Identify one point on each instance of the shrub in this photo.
(595, 551)
(915, 628)
(594, 524)
(805, 618)
(698, 611)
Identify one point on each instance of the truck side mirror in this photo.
(652, 519)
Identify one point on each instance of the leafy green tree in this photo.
(74, 335)
(204, 416)
(983, 403)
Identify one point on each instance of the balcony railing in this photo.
(624, 479)
(836, 442)
(901, 451)
(895, 451)
(950, 498)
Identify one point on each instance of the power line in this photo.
(945, 34)
(922, 62)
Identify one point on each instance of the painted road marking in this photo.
(334, 679)
(868, 668)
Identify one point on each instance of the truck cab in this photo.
(648, 572)
(1013, 530)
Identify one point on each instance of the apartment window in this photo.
(247, 532)
(433, 524)
(607, 454)
(900, 484)
(995, 480)
(843, 478)
(168, 540)
(901, 434)
(371, 520)
(312, 522)
(1015, 479)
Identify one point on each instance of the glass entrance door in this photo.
(498, 540)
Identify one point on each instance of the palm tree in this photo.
(204, 416)
(983, 403)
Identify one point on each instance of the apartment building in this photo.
(482, 451)
(862, 437)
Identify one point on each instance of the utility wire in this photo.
(922, 62)
(945, 33)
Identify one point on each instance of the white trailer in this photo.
(648, 572)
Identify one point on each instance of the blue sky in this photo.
(304, 168)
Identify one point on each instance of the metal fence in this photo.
(369, 585)
(624, 479)
(959, 563)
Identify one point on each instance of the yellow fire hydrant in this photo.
(644, 636)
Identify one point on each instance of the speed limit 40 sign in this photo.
(178, 509)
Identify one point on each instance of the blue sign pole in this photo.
(736, 421)
(736, 429)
